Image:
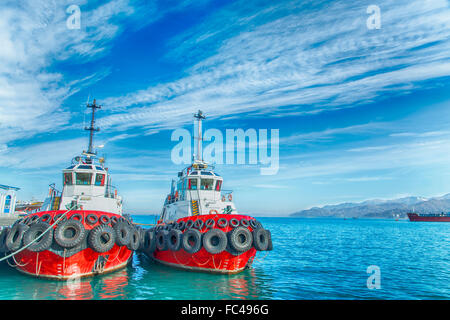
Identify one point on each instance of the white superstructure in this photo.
(86, 183)
(198, 190)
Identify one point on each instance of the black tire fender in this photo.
(149, 241)
(13, 241)
(240, 239)
(198, 224)
(189, 224)
(161, 240)
(104, 219)
(192, 241)
(45, 218)
(123, 233)
(270, 246)
(135, 240)
(181, 225)
(210, 223)
(76, 216)
(222, 223)
(215, 241)
(102, 238)
(34, 232)
(244, 223)
(234, 223)
(69, 233)
(91, 219)
(253, 223)
(174, 239)
(3, 236)
(260, 239)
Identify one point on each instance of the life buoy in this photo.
(212, 211)
(123, 233)
(230, 197)
(215, 241)
(223, 199)
(70, 233)
(35, 231)
(240, 239)
(174, 240)
(192, 241)
(176, 195)
(102, 238)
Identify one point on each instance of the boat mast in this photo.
(90, 152)
(199, 116)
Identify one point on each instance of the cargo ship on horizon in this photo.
(438, 217)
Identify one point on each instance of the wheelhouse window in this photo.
(192, 184)
(68, 178)
(85, 167)
(218, 185)
(100, 179)
(206, 184)
(83, 178)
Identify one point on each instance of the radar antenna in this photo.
(199, 116)
(90, 152)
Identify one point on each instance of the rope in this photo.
(40, 236)
(260, 260)
(200, 264)
(144, 224)
(179, 262)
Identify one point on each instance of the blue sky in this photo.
(362, 113)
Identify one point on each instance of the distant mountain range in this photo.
(380, 208)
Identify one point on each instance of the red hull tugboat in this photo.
(80, 231)
(200, 229)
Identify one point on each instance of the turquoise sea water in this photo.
(312, 259)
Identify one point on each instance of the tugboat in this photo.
(199, 228)
(78, 232)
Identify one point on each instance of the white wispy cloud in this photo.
(34, 37)
(287, 57)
